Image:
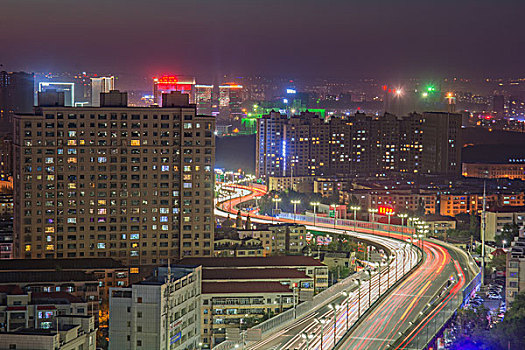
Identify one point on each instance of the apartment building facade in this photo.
(135, 184)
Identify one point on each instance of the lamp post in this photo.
(355, 209)
(369, 273)
(315, 205)
(322, 321)
(389, 214)
(372, 211)
(403, 217)
(347, 296)
(276, 201)
(504, 242)
(358, 282)
(334, 307)
(335, 213)
(295, 202)
(307, 337)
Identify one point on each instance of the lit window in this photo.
(101, 245)
(135, 142)
(28, 247)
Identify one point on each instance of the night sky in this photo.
(303, 38)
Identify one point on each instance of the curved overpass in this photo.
(394, 320)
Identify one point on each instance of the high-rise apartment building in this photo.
(100, 85)
(230, 99)
(16, 96)
(168, 83)
(131, 183)
(307, 145)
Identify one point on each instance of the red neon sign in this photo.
(384, 210)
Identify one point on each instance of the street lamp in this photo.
(389, 214)
(315, 205)
(504, 242)
(347, 296)
(372, 211)
(276, 201)
(307, 337)
(358, 282)
(334, 307)
(355, 209)
(335, 213)
(322, 321)
(403, 217)
(295, 202)
(369, 273)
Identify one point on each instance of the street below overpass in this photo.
(444, 271)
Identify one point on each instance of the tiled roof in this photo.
(45, 276)
(243, 287)
(255, 274)
(59, 264)
(283, 261)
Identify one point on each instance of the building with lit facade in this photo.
(135, 184)
(498, 217)
(230, 100)
(67, 88)
(307, 145)
(100, 85)
(494, 171)
(168, 83)
(162, 312)
(16, 96)
(515, 272)
(204, 99)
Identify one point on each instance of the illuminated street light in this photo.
(402, 216)
(315, 205)
(321, 321)
(355, 209)
(295, 202)
(372, 211)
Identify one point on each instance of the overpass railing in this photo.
(355, 225)
(433, 322)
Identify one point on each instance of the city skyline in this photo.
(343, 39)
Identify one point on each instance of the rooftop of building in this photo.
(46, 277)
(293, 260)
(54, 298)
(507, 209)
(60, 264)
(243, 287)
(11, 289)
(236, 274)
(159, 276)
(437, 217)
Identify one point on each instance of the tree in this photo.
(507, 234)
(498, 263)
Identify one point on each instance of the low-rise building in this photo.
(515, 282)
(264, 235)
(109, 272)
(439, 225)
(311, 267)
(288, 239)
(282, 183)
(239, 305)
(161, 312)
(80, 284)
(74, 332)
(240, 248)
(498, 217)
(494, 171)
(21, 309)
